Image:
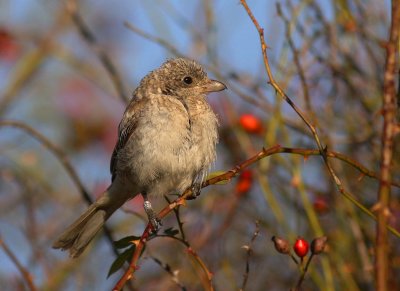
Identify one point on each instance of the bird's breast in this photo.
(171, 145)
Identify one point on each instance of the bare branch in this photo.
(24, 272)
(105, 60)
(389, 125)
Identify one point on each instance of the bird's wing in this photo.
(126, 127)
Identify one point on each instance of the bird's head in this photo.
(182, 78)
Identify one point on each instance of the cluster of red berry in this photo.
(301, 249)
(301, 246)
(251, 124)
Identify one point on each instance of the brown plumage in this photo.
(167, 140)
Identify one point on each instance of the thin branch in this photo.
(174, 274)
(272, 81)
(30, 64)
(249, 252)
(227, 176)
(296, 59)
(55, 150)
(178, 219)
(194, 255)
(322, 149)
(105, 60)
(208, 283)
(24, 71)
(173, 50)
(303, 274)
(332, 154)
(389, 125)
(63, 159)
(24, 272)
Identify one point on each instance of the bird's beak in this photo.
(213, 86)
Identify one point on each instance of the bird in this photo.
(166, 144)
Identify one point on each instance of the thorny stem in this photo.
(167, 268)
(322, 150)
(227, 176)
(387, 138)
(389, 125)
(278, 89)
(303, 272)
(249, 252)
(178, 219)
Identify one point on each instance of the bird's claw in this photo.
(196, 190)
(154, 221)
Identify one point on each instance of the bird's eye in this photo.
(188, 80)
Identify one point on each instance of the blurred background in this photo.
(67, 70)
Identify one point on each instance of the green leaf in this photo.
(125, 242)
(215, 174)
(171, 231)
(121, 259)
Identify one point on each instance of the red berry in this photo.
(244, 183)
(250, 123)
(301, 247)
(246, 174)
(243, 186)
(9, 49)
(320, 205)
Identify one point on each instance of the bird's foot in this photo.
(155, 222)
(196, 191)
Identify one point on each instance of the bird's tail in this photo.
(80, 233)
